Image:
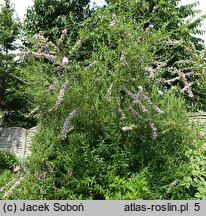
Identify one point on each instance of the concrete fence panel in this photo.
(18, 140)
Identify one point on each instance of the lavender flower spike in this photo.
(121, 112)
(37, 55)
(123, 57)
(92, 64)
(173, 184)
(154, 130)
(127, 128)
(136, 101)
(65, 61)
(64, 34)
(141, 94)
(114, 20)
(109, 94)
(135, 113)
(6, 185)
(52, 86)
(155, 107)
(16, 184)
(67, 123)
(61, 93)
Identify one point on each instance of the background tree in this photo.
(175, 18)
(182, 27)
(13, 104)
(52, 16)
(9, 30)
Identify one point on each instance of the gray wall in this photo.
(17, 140)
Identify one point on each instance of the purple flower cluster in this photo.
(136, 101)
(155, 107)
(154, 130)
(169, 82)
(127, 128)
(155, 67)
(121, 112)
(182, 73)
(123, 57)
(188, 89)
(65, 61)
(149, 72)
(61, 93)
(67, 124)
(38, 55)
(181, 77)
(52, 86)
(91, 65)
(151, 125)
(6, 185)
(172, 185)
(187, 85)
(76, 46)
(174, 42)
(16, 184)
(63, 36)
(110, 92)
(135, 113)
(184, 62)
(114, 20)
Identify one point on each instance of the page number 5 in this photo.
(197, 206)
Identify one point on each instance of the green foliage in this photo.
(134, 188)
(7, 161)
(5, 177)
(180, 20)
(9, 77)
(51, 17)
(9, 28)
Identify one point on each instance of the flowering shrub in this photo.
(127, 134)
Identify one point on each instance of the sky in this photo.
(22, 5)
(202, 7)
